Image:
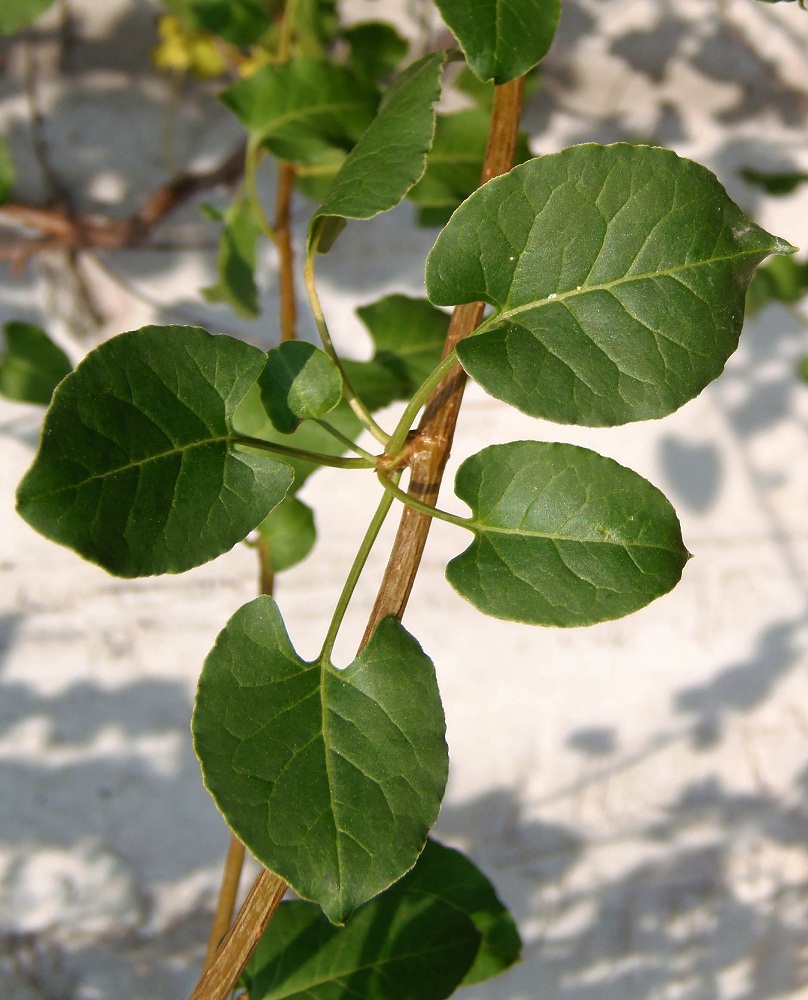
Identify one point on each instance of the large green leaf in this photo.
(31, 366)
(391, 154)
(416, 941)
(332, 778)
(302, 110)
(137, 469)
(617, 276)
(408, 335)
(18, 14)
(502, 39)
(299, 382)
(236, 261)
(564, 536)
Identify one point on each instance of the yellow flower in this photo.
(184, 51)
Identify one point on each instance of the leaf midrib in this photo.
(480, 527)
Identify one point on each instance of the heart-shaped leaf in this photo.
(564, 536)
(617, 274)
(299, 382)
(137, 469)
(416, 941)
(391, 155)
(502, 39)
(31, 365)
(332, 778)
(303, 109)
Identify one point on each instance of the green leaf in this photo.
(236, 261)
(31, 365)
(304, 109)
(391, 155)
(241, 22)
(617, 276)
(289, 533)
(331, 778)
(137, 469)
(777, 184)
(416, 941)
(782, 279)
(408, 335)
(18, 14)
(455, 162)
(376, 49)
(564, 536)
(375, 384)
(449, 876)
(502, 39)
(299, 382)
(8, 174)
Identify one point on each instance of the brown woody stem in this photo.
(283, 236)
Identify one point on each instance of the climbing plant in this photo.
(596, 285)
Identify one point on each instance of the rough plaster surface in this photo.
(638, 790)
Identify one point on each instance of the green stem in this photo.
(374, 528)
(353, 400)
(432, 381)
(392, 488)
(344, 439)
(317, 458)
(252, 160)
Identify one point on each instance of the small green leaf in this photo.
(408, 335)
(502, 39)
(618, 276)
(376, 49)
(304, 109)
(18, 14)
(331, 778)
(31, 365)
(782, 279)
(455, 162)
(289, 533)
(777, 184)
(8, 174)
(564, 536)
(137, 469)
(236, 261)
(449, 876)
(391, 155)
(299, 382)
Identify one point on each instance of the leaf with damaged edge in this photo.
(502, 39)
(332, 778)
(137, 469)
(390, 156)
(564, 536)
(617, 276)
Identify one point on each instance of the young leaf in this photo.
(502, 39)
(408, 335)
(332, 778)
(236, 261)
(455, 162)
(416, 941)
(289, 533)
(396, 947)
(8, 175)
(31, 365)
(303, 109)
(391, 155)
(18, 14)
(137, 468)
(299, 382)
(376, 49)
(617, 274)
(564, 536)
